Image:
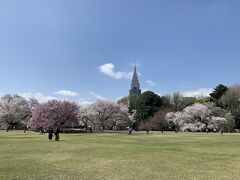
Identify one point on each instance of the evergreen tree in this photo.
(218, 92)
(147, 105)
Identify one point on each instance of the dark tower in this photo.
(135, 86)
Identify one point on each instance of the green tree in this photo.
(231, 102)
(223, 113)
(147, 105)
(177, 102)
(124, 101)
(131, 101)
(218, 92)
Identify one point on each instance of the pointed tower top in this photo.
(135, 86)
(135, 68)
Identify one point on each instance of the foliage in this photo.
(220, 112)
(204, 100)
(148, 104)
(106, 114)
(85, 117)
(177, 102)
(218, 92)
(157, 122)
(131, 101)
(197, 117)
(124, 100)
(15, 110)
(231, 102)
(54, 113)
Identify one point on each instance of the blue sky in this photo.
(85, 49)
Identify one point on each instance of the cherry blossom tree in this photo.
(54, 113)
(85, 117)
(175, 120)
(217, 123)
(197, 117)
(108, 114)
(15, 110)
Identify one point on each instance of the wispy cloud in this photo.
(198, 92)
(108, 69)
(84, 102)
(68, 93)
(145, 90)
(151, 83)
(218, 4)
(39, 96)
(97, 96)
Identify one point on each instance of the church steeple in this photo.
(135, 86)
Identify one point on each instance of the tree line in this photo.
(17, 113)
(218, 112)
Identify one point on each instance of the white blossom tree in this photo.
(15, 110)
(197, 117)
(86, 117)
(217, 123)
(108, 114)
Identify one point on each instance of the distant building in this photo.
(135, 86)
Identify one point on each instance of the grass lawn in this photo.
(120, 156)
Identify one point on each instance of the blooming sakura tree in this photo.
(175, 120)
(54, 113)
(195, 118)
(197, 114)
(217, 123)
(108, 114)
(85, 117)
(14, 110)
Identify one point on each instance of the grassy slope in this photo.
(119, 156)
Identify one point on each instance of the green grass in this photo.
(119, 156)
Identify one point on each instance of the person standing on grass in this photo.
(147, 131)
(57, 131)
(25, 129)
(50, 134)
(129, 131)
(41, 131)
(90, 129)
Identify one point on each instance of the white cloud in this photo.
(117, 99)
(151, 83)
(84, 102)
(66, 93)
(145, 90)
(108, 69)
(198, 92)
(39, 96)
(97, 96)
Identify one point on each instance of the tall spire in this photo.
(135, 86)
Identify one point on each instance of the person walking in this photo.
(57, 131)
(50, 134)
(147, 131)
